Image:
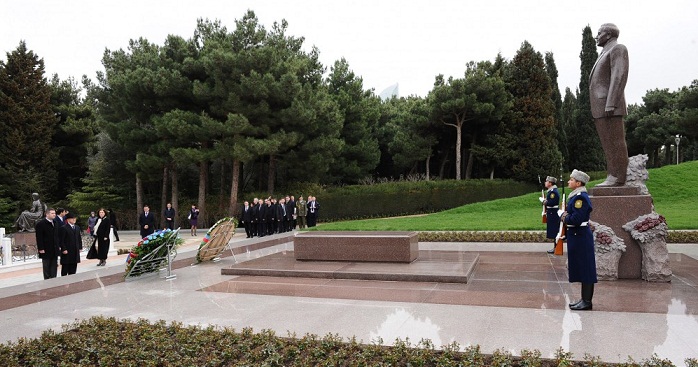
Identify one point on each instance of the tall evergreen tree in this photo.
(361, 111)
(568, 122)
(584, 146)
(471, 105)
(27, 159)
(413, 134)
(561, 138)
(74, 138)
(128, 101)
(533, 120)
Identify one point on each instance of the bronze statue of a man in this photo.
(606, 93)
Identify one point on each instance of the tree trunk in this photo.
(443, 166)
(175, 196)
(459, 127)
(139, 194)
(221, 205)
(427, 168)
(492, 174)
(233, 208)
(471, 158)
(203, 183)
(163, 196)
(272, 174)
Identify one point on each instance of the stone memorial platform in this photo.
(400, 247)
(614, 207)
(431, 266)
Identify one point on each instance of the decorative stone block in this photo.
(650, 231)
(614, 211)
(608, 250)
(356, 246)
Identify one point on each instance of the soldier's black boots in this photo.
(587, 295)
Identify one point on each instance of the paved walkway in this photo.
(517, 300)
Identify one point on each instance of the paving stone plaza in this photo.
(515, 298)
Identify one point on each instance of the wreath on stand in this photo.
(152, 246)
(216, 239)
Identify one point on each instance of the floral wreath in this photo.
(207, 237)
(149, 243)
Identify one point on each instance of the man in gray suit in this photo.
(606, 93)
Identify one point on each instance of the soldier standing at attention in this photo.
(551, 203)
(581, 258)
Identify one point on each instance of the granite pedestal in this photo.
(614, 207)
(401, 247)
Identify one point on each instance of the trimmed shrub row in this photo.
(525, 236)
(107, 342)
(407, 198)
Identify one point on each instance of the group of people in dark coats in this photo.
(268, 216)
(58, 235)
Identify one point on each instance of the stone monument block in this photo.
(399, 247)
(615, 206)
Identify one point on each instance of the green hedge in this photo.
(525, 236)
(107, 342)
(406, 198)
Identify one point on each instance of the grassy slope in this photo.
(673, 188)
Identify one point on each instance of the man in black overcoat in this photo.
(246, 218)
(69, 245)
(169, 214)
(146, 221)
(46, 244)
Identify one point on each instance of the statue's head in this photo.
(611, 29)
(35, 196)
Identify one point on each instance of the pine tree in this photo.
(74, 137)
(561, 138)
(27, 122)
(533, 120)
(361, 110)
(568, 121)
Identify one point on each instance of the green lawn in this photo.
(673, 189)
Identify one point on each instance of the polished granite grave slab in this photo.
(430, 266)
(500, 279)
(373, 246)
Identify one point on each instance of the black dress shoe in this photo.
(551, 251)
(581, 306)
(574, 303)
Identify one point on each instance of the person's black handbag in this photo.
(92, 252)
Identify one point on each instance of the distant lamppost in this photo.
(677, 140)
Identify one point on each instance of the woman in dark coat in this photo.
(102, 231)
(194, 219)
(581, 257)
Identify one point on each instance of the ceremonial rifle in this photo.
(542, 196)
(562, 232)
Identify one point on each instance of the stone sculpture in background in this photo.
(27, 220)
(637, 173)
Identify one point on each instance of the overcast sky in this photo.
(384, 41)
